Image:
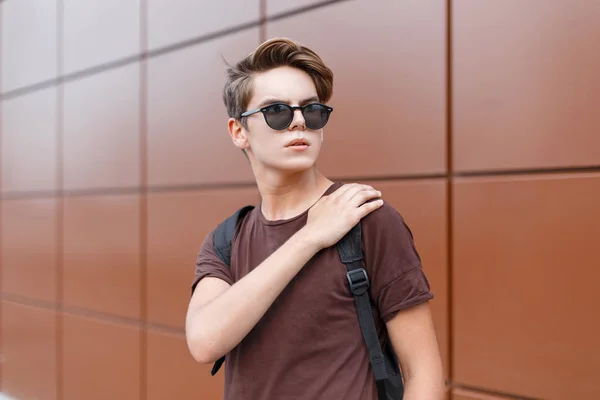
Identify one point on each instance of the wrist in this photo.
(306, 241)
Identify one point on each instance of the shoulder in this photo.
(392, 260)
(386, 222)
(214, 256)
(383, 213)
(221, 237)
(207, 251)
(388, 242)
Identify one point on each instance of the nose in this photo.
(298, 121)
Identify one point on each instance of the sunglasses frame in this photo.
(263, 110)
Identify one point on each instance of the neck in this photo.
(286, 195)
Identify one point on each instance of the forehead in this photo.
(283, 83)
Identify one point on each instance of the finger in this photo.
(343, 190)
(369, 207)
(364, 196)
(353, 191)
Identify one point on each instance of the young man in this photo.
(282, 311)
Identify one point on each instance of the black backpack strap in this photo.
(217, 366)
(223, 237)
(224, 234)
(351, 254)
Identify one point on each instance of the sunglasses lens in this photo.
(278, 116)
(316, 116)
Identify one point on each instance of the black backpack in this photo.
(384, 363)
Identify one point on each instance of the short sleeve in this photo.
(393, 263)
(209, 264)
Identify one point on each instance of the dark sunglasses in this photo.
(279, 116)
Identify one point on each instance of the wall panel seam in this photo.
(449, 193)
(143, 202)
(81, 312)
(262, 33)
(491, 392)
(1, 220)
(153, 189)
(146, 54)
(59, 295)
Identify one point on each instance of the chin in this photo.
(293, 166)
(285, 165)
(296, 166)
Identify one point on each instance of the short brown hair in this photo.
(276, 52)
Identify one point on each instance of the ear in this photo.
(237, 133)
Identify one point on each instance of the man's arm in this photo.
(413, 338)
(219, 316)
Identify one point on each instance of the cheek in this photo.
(262, 140)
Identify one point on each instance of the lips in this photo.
(297, 142)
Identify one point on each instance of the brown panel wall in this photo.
(278, 7)
(526, 284)
(526, 84)
(29, 248)
(101, 133)
(1, 55)
(171, 22)
(111, 178)
(28, 145)
(101, 359)
(389, 110)
(99, 32)
(101, 254)
(470, 395)
(168, 352)
(188, 140)
(28, 352)
(29, 43)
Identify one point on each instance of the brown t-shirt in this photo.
(308, 345)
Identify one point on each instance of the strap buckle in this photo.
(358, 280)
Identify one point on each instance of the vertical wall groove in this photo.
(143, 201)
(1, 204)
(59, 204)
(449, 183)
(263, 21)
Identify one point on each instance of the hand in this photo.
(334, 215)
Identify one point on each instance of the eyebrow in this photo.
(273, 101)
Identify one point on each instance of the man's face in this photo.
(292, 149)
